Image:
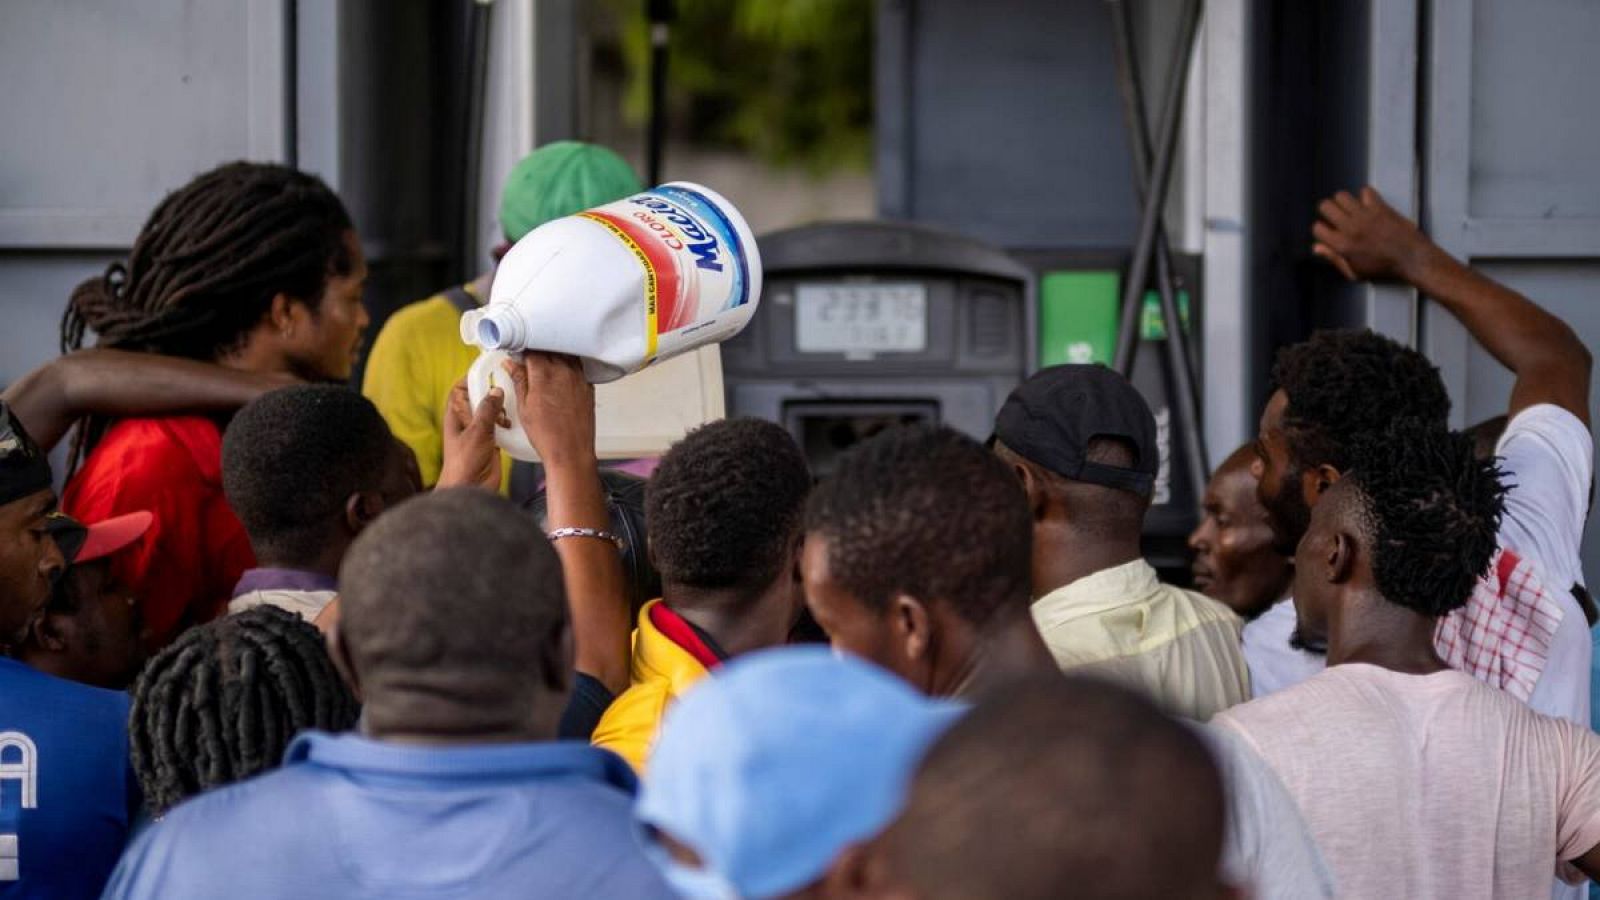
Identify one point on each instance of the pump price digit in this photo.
(858, 319)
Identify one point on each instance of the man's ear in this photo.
(281, 315)
(910, 620)
(1033, 486)
(861, 871)
(360, 509)
(50, 632)
(1340, 557)
(797, 549)
(1316, 482)
(849, 875)
(340, 652)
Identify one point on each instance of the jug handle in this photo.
(484, 374)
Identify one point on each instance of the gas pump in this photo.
(864, 325)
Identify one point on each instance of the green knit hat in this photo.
(560, 179)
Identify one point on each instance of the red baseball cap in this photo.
(82, 543)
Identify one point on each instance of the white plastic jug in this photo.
(627, 284)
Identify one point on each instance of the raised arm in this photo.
(1368, 240)
(556, 405)
(117, 383)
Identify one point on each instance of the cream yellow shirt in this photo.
(1179, 647)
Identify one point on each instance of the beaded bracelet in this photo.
(560, 533)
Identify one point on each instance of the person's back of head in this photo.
(724, 509)
(1346, 385)
(1416, 516)
(830, 741)
(624, 497)
(222, 702)
(1083, 441)
(1061, 787)
(559, 179)
(307, 467)
(208, 262)
(916, 525)
(453, 621)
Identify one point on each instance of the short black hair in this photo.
(291, 458)
(724, 506)
(1345, 384)
(222, 702)
(1430, 510)
(926, 511)
(1099, 780)
(455, 584)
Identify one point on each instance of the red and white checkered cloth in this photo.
(1503, 635)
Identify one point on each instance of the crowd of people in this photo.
(278, 637)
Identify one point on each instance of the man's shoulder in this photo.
(24, 688)
(1307, 700)
(259, 805)
(198, 847)
(154, 453)
(163, 436)
(1202, 608)
(1548, 422)
(629, 725)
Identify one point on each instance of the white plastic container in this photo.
(625, 285)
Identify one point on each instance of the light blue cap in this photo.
(781, 760)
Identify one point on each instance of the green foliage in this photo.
(788, 80)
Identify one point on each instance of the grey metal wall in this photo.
(1479, 118)
(106, 106)
(109, 105)
(1511, 174)
(1001, 120)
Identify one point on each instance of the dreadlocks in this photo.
(1431, 510)
(222, 702)
(207, 264)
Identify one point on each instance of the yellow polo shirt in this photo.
(415, 361)
(1179, 647)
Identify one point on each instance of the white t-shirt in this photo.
(1274, 665)
(1429, 785)
(1547, 455)
(1269, 850)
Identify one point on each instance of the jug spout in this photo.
(495, 328)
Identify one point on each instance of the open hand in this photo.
(556, 405)
(1367, 240)
(470, 454)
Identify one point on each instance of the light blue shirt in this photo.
(351, 817)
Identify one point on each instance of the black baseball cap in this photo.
(24, 469)
(1050, 419)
